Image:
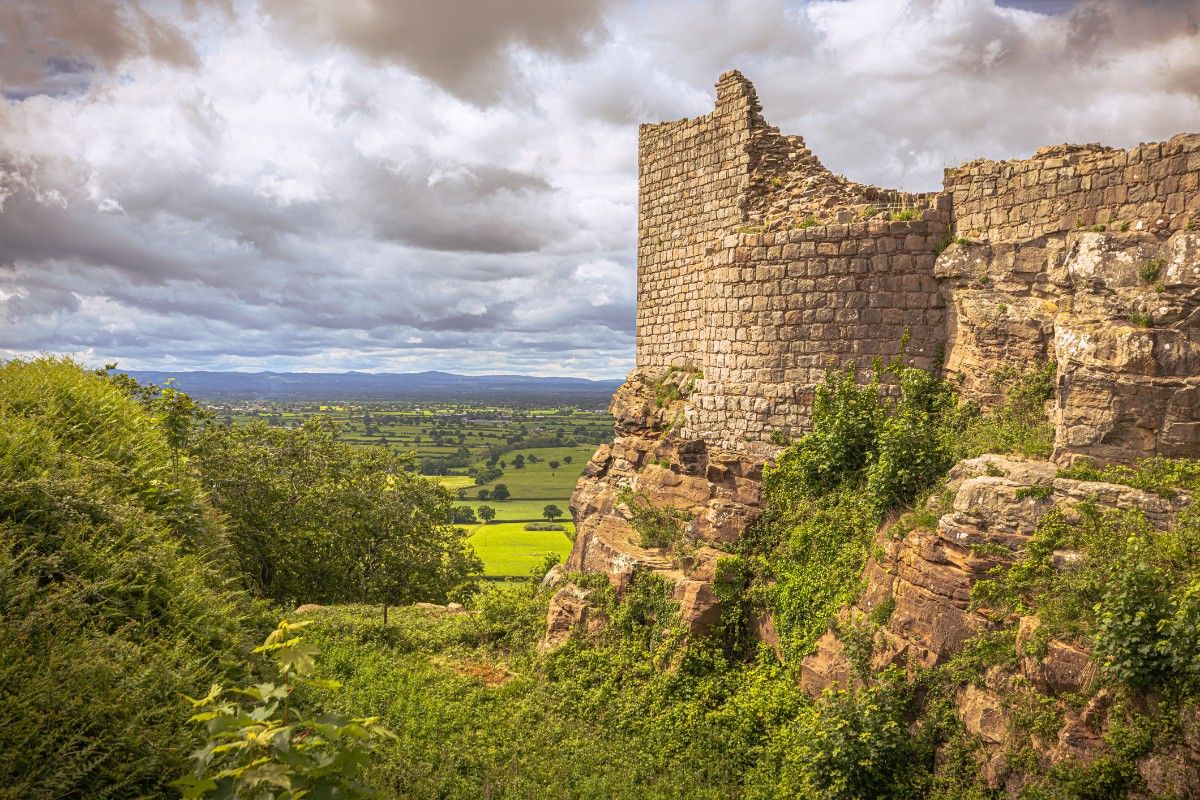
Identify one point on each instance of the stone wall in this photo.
(784, 305)
(1153, 186)
(692, 176)
(758, 268)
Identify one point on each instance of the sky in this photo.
(399, 185)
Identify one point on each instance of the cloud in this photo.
(367, 186)
(55, 46)
(464, 46)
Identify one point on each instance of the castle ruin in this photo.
(758, 269)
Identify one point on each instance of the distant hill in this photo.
(410, 386)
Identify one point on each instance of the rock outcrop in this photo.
(1119, 311)
(926, 578)
(715, 493)
(758, 268)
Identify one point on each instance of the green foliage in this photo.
(846, 417)
(463, 515)
(828, 492)
(544, 526)
(314, 520)
(1161, 476)
(1131, 591)
(1149, 271)
(267, 749)
(1140, 319)
(1036, 492)
(857, 744)
(112, 596)
(500, 492)
(1019, 425)
(657, 526)
(905, 215)
(892, 449)
(552, 512)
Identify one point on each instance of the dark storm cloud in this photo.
(54, 46)
(313, 190)
(461, 45)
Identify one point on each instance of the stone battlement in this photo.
(758, 268)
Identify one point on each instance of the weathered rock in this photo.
(929, 575)
(569, 610)
(717, 492)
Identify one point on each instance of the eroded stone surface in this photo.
(718, 492)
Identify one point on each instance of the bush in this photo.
(1132, 594)
(857, 744)
(112, 597)
(269, 749)
(544, 526)
(1019, 425)
(657, 526)
(315, 520)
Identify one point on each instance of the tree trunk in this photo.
(385, 613)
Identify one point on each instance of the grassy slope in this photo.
(478, 715)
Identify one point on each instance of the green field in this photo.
(450, 441)
(508, 550)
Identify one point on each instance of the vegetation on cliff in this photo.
(141, 548)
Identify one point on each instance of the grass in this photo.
(538, 481)
(517, 510)
(508, 550)
(455, 482)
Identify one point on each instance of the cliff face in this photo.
(716, 492)
(757, 268)
(926, 578)
(1118, 310)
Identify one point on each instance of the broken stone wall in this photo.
(1084, 255)
(784, 305)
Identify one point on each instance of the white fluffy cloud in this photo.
(282, 185)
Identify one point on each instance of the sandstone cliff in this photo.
(757, 268)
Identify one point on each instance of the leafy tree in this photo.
(316, 520)
(552, 512)
(485, 494)
(518, 461)
(463, 515)
(500, 492)
(568, 459)
(553, 465)
(487, 513)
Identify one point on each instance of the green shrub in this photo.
(857, 744)
(1149, 271)
(1131, 593)
(657, 526)
(1019, 425)
(269, 749)
(113, 600)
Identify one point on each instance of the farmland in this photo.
(534, 454)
